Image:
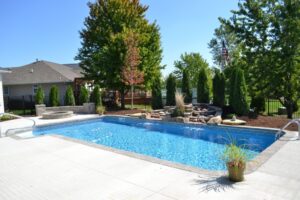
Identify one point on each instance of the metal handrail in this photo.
(19, 117)
(296, 121)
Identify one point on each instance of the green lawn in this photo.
(139, 106)
(20, 112)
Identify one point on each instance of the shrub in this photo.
(96, 96)
(6, 117)
(69, 97)
(100, 110)
(258, 102)
(40, 96)
(203, 87)
(177, 113)
(84, 95)
(54, 96)
(219, 89)
(171, 89)
(239, 93)
(156, 101)
(185, 88)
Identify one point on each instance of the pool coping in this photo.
(251, 166)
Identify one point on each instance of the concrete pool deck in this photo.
(49, 167)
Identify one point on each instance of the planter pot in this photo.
(236, 173)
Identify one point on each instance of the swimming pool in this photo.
(198, 146)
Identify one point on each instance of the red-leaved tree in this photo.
(131, 75)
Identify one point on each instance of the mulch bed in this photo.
(260, 121)
(270, 122)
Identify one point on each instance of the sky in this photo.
(49, 29)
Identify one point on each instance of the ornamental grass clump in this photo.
(235, 158)
(179, 100)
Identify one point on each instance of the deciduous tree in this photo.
(131, 75)
(103, 51)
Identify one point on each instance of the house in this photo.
(2, 71)
(23, 82)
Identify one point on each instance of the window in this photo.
(6, 91)
(34, 89)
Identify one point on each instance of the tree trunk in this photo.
(122, 93)
(289, 110)
(131, 97)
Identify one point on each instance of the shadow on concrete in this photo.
(216, 184)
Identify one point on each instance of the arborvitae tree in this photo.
(69, 97)
(39, 96)
(203, 87)
(156, 101)
(269, 34)
(54, 96)
(240, 104)
(96, 96)
(171, 89)
(185, 88)
(219, 89)
(231, 87)
(84, 95)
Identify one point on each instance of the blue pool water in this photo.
(193, 145)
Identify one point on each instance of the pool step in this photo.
(18, 131)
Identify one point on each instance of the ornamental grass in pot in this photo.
(235, 158)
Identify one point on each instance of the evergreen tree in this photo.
(54, 96)
(203, 87)
(171, 89)
(239, 93)
(39, 96)
(69, 97)
(269, 33)
(232, 75)
(219, 89)
(84, 95)
(103, 51)
(96, 96)
(185, 88)
(156, 101)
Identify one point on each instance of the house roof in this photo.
(75, 67)
(3, 70)
(40, 72)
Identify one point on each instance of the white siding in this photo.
(1, 96)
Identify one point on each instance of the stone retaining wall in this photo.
(86, 108)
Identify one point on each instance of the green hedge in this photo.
(156, 101)
(171, 89)
(219, 89)
(39, 96)
(84, 95)
(185, 89)
(69, 97)
(54, 96)
(96, 96)
(203, 87)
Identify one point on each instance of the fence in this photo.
(274, 107)
(21, 105)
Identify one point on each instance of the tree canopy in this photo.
(268, 32)
(103, 50)
(192, 63)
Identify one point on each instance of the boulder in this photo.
(215, 120)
